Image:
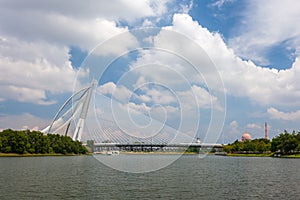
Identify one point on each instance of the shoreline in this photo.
(157, 153)
(88, 154)
(249, 155)
(38, 155)
(271, 155)
(293, 156)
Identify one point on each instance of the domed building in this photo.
(246, 136)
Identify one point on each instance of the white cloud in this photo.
(29, 70)
(74, 22)
(253, 126)
(118, 10)
(220, 3)
(171, 109)
(107, 88)
(61, 30)
(266, 24)
(147, 23)
(23, 94)
(152, 100)
(22, 121)
(161, 67)
(140, 108)
(161, 96)
(185, 8)
(144, 98)
(141, 81)
(36, 128)
(156, 95)
(204, 98)
(243, 78)
(234, 124)
(198, 97)
(120, 93)
(35, 40)
(287, 116)
(234, 127)
(57, 28)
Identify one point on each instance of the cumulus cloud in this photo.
(35, 40)
(264, 25)
(198, 97)
(84, 24)
(162, 67)
(161, 96)
(287, 116)
(243, 78)
(119, 9)
(120, 93)
(253, 126)
(234, 124)
(140, 83)
(22, 121)
(160, 103)
(29, 70)
(58, 29)
(41, 48)
(234, 127)
(23, 94)
(140, 108)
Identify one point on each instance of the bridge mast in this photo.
(83, 114)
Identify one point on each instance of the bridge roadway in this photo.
(144, 146)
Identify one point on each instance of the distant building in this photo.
(266, 131)
(246, 136)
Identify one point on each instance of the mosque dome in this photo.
(246, 136)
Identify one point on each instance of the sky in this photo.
(206, 66)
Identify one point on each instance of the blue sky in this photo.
(253, 45)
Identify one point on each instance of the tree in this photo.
(21, 142)
(286, 143)
(249, 146)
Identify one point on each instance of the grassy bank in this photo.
(290, 156)
(36, 155)
(250, 155)
(263, 155)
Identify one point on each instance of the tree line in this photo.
(285, 143)
(35, 142)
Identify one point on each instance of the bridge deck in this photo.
(158, 145)
(181, 147)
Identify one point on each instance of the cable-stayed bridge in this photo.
(87, 115)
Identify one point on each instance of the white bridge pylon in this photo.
(76, 108)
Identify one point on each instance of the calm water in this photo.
(189, 177)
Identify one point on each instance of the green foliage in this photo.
(35, 142)
(286, 143)
(192, 150)
(249, 146)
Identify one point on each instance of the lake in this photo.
(189, 177)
